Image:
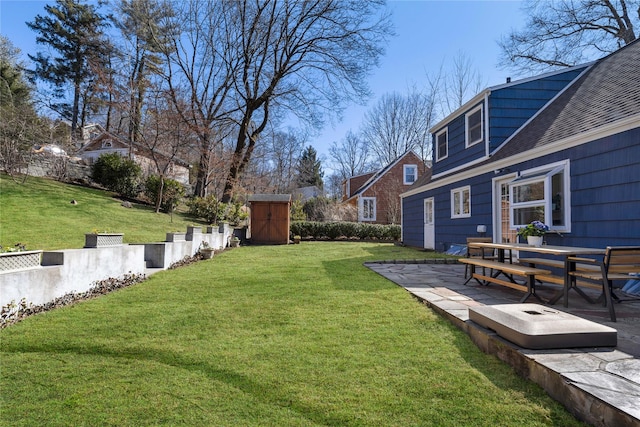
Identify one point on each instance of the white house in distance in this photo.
(106, 142)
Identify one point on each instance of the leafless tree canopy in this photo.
(562, 33)
(350, 157)
(398, 123)
(309, 57)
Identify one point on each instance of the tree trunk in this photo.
(200, 189)
(160, 194)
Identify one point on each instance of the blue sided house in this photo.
(562, 148)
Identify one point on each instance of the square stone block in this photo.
(538, 327)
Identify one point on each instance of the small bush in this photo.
(208, 208)
(297, 212)
(214, 211)
(118, 174)
(172, 192)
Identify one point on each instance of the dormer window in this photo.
(473, 126)
(442, 144)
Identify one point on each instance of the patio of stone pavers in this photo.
(599, 385)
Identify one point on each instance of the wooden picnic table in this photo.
(564, 252)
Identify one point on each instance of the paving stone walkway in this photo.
(599, 385)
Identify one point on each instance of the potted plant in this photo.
(534, 232)
(206, 251)
(18, 258)
(234, 242)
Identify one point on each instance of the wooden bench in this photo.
(556, 263)
(513, 269)
(616, 264)
(560, 280)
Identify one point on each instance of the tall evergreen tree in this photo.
(14, 89)
(310, 169)
(19, 124)
(75, 31)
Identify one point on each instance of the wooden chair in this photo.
(616, 264)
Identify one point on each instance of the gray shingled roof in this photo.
(606, 92)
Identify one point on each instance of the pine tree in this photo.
(310, 169)
(75, 31)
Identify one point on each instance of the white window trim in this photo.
(404, 174)
(466, 127)
(438, 156)
(545, 173)
(361, 208)
(460, 190)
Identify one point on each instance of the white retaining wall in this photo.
(75, 270)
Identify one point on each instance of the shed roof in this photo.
(277, 198)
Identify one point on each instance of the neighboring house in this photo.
(563, 148)
(376, 194)
(107, 142)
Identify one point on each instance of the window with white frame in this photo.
(461, 202)
(106, 144)
(410, 174)
(368, 209)
(442, 144)
(541, 194)
(473, 126)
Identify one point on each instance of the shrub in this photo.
(214, 211)
(316, 208)
(118, 174)
(296, 211)
(234, 213)
(172, 192)
(349, 230)
(208, 208)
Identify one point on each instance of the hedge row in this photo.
(348, 230)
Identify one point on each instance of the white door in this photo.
(429, 225)
(501, 204)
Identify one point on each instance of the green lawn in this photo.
(39, 214)
(295, 335)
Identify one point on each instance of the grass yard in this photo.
(296, 335)
(39, 213)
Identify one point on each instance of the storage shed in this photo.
(270, 218)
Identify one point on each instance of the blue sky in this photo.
(428, 33)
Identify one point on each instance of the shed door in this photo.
(270, 222)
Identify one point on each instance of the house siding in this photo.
(604, 189)
(457, 152)
(512, 106)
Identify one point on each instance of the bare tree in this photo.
(461, 83)
(164, 138)
(398, 123)
(201, 62)
(351, 156)
(298, 55)
(283, 155)
(561, 33)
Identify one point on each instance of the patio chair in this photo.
(618, 263)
